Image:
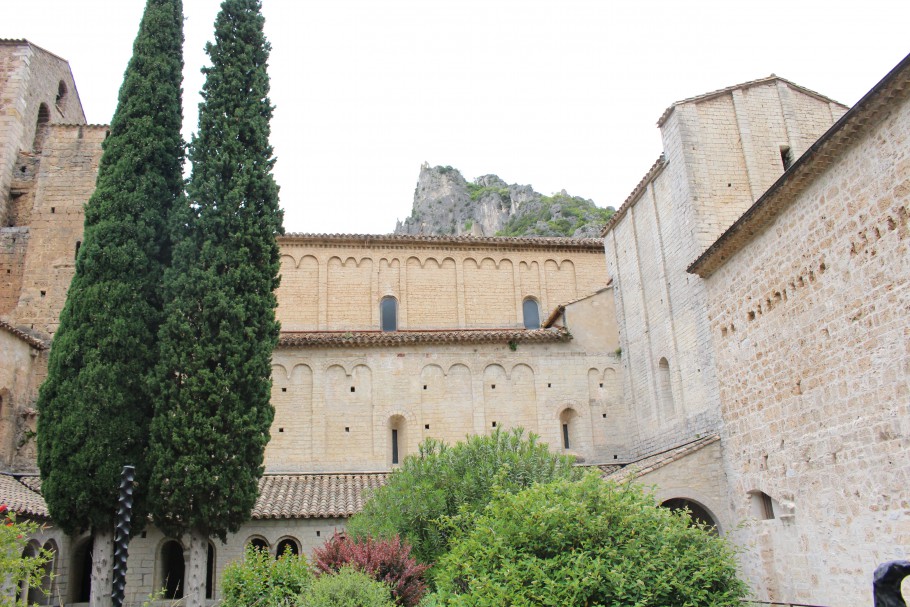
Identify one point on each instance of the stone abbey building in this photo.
(739, 339)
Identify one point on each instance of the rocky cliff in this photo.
(445, 203)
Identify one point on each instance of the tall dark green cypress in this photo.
(213, 414)
(95, 405)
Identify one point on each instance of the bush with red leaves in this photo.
(387, 561)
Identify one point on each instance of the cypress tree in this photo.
(95, 405)
(213, 414)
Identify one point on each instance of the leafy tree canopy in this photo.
(441, 487)
(586, 542)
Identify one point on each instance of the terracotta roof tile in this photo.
(315, 339)
(373, 240)
(314, 495)
(286, 496)
(658, 460)
(33, 341)
(21, 499)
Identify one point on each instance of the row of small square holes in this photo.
(492, 386)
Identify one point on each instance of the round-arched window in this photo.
(531, 312)
(388, 314)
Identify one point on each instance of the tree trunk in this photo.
(102, 567)
(196, 568)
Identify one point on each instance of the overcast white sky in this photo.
(559, 94)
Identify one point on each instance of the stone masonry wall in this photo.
(337, 286)
(30, 76)
(722, 152)
(809, 321)
(335, 409)
(65, 180)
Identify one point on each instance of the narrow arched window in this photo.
(531, 312)
(61, 94)
(397, 429)
(44, 116)
(388, 314)
(210, 572)
(172, 570)
(665, 388)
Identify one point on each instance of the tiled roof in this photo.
(280, 496)
(20, 499)
(398, 240)
(744, 85)
(316, 339)
(659, 165)
(659, 460)
(817, 159)
(35, 342)
(314, 495)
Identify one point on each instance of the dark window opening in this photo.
(352, 389)
(531, 312)
(565, 436)
(287, 546)
(786, 156)
(210, 572)
(259, 544)
(172, 570)
(394, 446)
(388, 314)
(61, 94)
(698, 514)
(44, 116)
(494, 424)
(78, 246)
(426, 426)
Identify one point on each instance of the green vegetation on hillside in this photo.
(557, 215)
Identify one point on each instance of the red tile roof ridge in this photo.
(34, 341)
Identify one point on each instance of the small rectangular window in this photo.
(394, 446)
(565, 436)
(786, 157)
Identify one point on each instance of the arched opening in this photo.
(81, 578)
(258, 543)
(397, 439)
(698, 514)
(531, 311)
(210, 572)
(173, 568)
(29, 595)
(287, 546)
(61, 94)
(44, 594)
(44, 116)
(388, 314)
(664, 388)
(568, 428)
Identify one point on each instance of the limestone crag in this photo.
(445, 203)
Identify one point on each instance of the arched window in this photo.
(258, 543)
(397, 444)
(44, 595)
(44, 116)
(697, 513)
(287, 545)
(61, 94)
(172, 570)
(567, 428)
(388, 314)
(81, 573)
(664, 388)
(210, 572)
(531, 312)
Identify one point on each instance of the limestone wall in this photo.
(23, 369)
(335, 409)
(809, 321)
(721, 151)
(64, 181)
(30, 76)
(336, 284)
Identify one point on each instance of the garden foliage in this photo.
(442, 488)
(385, 560)
(586, 542)
(347, 588)
(262, 581)
(17, 570)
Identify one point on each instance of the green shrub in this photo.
(347, 588)
(265, 582)
(442, 488)
(586, 542)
